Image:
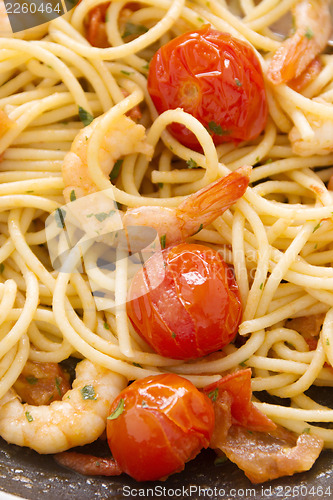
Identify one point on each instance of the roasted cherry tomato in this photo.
(157, 424)
(216, 78)
(195, 310)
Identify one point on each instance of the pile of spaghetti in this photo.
(277, 237)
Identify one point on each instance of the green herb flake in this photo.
(116, 169)
(28, 416)
(268, 161)
(220, 460)
(261, 286)
(2, 267)
(30, 191)
(316, 246)
(307, 430)
(145, 66)
(257, 159)
(316, 227)
(137, 364)
(163, 241)
(118, 411)
(308, 33)
(60, 215)
(217, 129)
(191, 163)
(134, 30)
(201, 20)
(127, 73)
(213, 394)
(160, 185)
(85, 117)
(72, 196)
(198, 231)
(238, 82)
(106, 326)
(243, 363)
(57, 384)
(98, 464)
(101, 216)
(144, 404)
(173, 335)
(249, 432)
(88, 392)
(31, 379)
(327, 342)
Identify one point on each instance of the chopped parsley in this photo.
(198, 231)
(116, 169)
(308, 33)
(85, 117)
(2, 267)
(217, 129)
(220, 460)
(213, 394)
(243, 363)
(125, 72)
(144, 404)
(327, 342)
(191, 163)
(160, 185)
(88, 392)
(261, 286)
(173, 335)
(134, 29)
(101, 216)
(72, 196)
(269, 160)
(238, 82)
(137, 364)
(28, 416)
(60, 215)
(316, 227)
(118, 411)
(57, 384)
(163, 240)
(307, 430)
(106, 326)
(201, 20)
(31, 379)
(146, 66)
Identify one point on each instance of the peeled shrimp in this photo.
(76, 420)
(125, 137)
(176, 224)
(321, 143)
(313, 27)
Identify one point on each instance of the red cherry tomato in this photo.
(194, 311)
(157, 424)
(216, 78)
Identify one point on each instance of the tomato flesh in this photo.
(195, 310)
(165, 421)
(215, 77)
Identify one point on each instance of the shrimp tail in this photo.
(312, 33)
(214, 199)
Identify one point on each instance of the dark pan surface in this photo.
(32, 476)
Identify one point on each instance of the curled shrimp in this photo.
(176, 224)
(125, 137)
(313, 27)
(320, 143)
(79, 418)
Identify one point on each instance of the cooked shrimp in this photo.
(321, 143)
(125, 137)
(313, 27)
(195, 212)
(76, 420)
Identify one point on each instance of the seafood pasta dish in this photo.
(166, 225)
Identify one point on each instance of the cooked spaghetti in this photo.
(277, 237)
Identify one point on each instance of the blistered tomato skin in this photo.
(194, 311)
(164, 422)
(216, 78)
